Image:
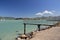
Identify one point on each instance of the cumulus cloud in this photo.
(39, 14)
(45, 12)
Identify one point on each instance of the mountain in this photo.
(7, 18)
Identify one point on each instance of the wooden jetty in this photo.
(38, 25)
(25, 36)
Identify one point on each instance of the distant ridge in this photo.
(7, 18)
(51, 18)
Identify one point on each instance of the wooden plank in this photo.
(38, 27)
(24, 28)
(39, 24)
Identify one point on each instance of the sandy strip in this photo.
(48, 34)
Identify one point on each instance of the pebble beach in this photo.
(48, 34)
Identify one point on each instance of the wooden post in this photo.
(51, 26)
(24, 28)
(38, 27)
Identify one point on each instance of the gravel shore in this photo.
(48, 34)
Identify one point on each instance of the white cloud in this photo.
(39, 14)
(44, 12)
(47, 12)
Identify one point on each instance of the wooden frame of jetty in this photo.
(38, 25)
(24, 36)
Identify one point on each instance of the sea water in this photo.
(9, 29)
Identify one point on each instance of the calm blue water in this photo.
(8, 28)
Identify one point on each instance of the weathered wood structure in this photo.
(38, 26)
(24, 36)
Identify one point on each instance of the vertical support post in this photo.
(24, 28)
(38, 27)
(51, 26)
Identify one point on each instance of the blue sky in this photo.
(29, 8)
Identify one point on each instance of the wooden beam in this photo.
(24, 28)
(38, 27)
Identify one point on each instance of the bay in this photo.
(9, 29)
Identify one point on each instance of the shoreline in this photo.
(48, 34)
(32, 34)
